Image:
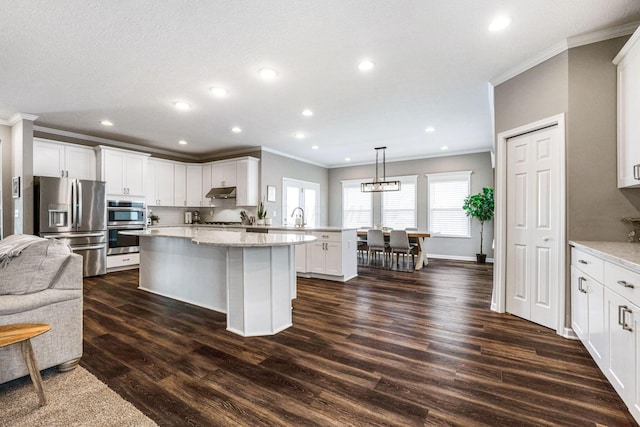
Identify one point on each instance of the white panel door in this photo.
(533, 228)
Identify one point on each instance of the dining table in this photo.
(419, 236)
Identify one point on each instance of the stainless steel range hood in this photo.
(222, 193)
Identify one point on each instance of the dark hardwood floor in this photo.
(386, 348)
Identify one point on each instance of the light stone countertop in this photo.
(621, 253)
(224, 238)
(325, 228)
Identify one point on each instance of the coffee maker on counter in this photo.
(192, 217)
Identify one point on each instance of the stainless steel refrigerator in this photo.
(73, 210)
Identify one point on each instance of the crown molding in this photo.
(18, 117)
(300, 159)
(114, 143)
(627, 46)
(423, 157)
(569, 43)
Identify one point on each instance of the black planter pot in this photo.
(481, 258)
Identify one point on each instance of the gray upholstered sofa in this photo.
(43, 284)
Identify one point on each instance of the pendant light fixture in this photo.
(377, 185)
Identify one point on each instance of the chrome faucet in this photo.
(303, 221)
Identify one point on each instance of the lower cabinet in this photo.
(605, 315)
(123, 262)
(622, 327)
(332, 257)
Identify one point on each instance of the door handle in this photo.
(546, 239)
(88, 248)
(581, 261)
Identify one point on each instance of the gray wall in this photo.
(5, 180)
(540, 92)
(482, 176)
(275, 167)
(594, 203)
(582, 84)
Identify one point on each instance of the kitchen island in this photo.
(249, 276)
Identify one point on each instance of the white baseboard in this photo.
(456, 257)
(569, 334)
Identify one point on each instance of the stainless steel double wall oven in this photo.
(124, 215)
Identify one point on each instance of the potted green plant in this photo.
(480, 206)
(154, 219)
(262, 213)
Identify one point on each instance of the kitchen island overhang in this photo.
(249, 276)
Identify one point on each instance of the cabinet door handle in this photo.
(61, 174)
(622, 317)
(581, 261)
(581, 280)
(636, 171)
(66, 174)
(625, 284)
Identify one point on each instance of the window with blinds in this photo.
(447, 192)
(357, 207)
(399, 207)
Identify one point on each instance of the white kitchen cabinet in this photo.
(605, 301)
(628, 62)
(247, 181)
(587, 303)
(179, 184)
(333, 254)
(57, 159)
(622, 326)
(124, 171)
(194, 186)
(223, 174)
(160, 183)
(207, 168)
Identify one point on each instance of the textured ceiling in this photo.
(76, 62)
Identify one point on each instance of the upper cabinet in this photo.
(628, 62)
(62, 160)
(223, 173)
(195, 197)
(159, 183)
(124, 171)
(242, 173)
(247, 181)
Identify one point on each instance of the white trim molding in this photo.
(21, 116)
(498, 299)
(569, 43)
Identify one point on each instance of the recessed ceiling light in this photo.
(429, 129)
(444, 147)
(500, 23)
(268, 73)
(182, 105)
(347, 159)
(307, 112)
(315, 147)
(365, 65)
(106, 123)
(218, 91)
(182, 142)
(236, 129)
(299, 135)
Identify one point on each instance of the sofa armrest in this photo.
(69, 275)
(11, 304)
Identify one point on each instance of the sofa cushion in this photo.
(34, 269)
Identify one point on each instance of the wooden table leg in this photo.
(34, 372)
(422, 253)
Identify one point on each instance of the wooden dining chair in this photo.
(413, 241)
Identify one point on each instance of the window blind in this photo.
(447, 192)
(357, 207)
(399, 207)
